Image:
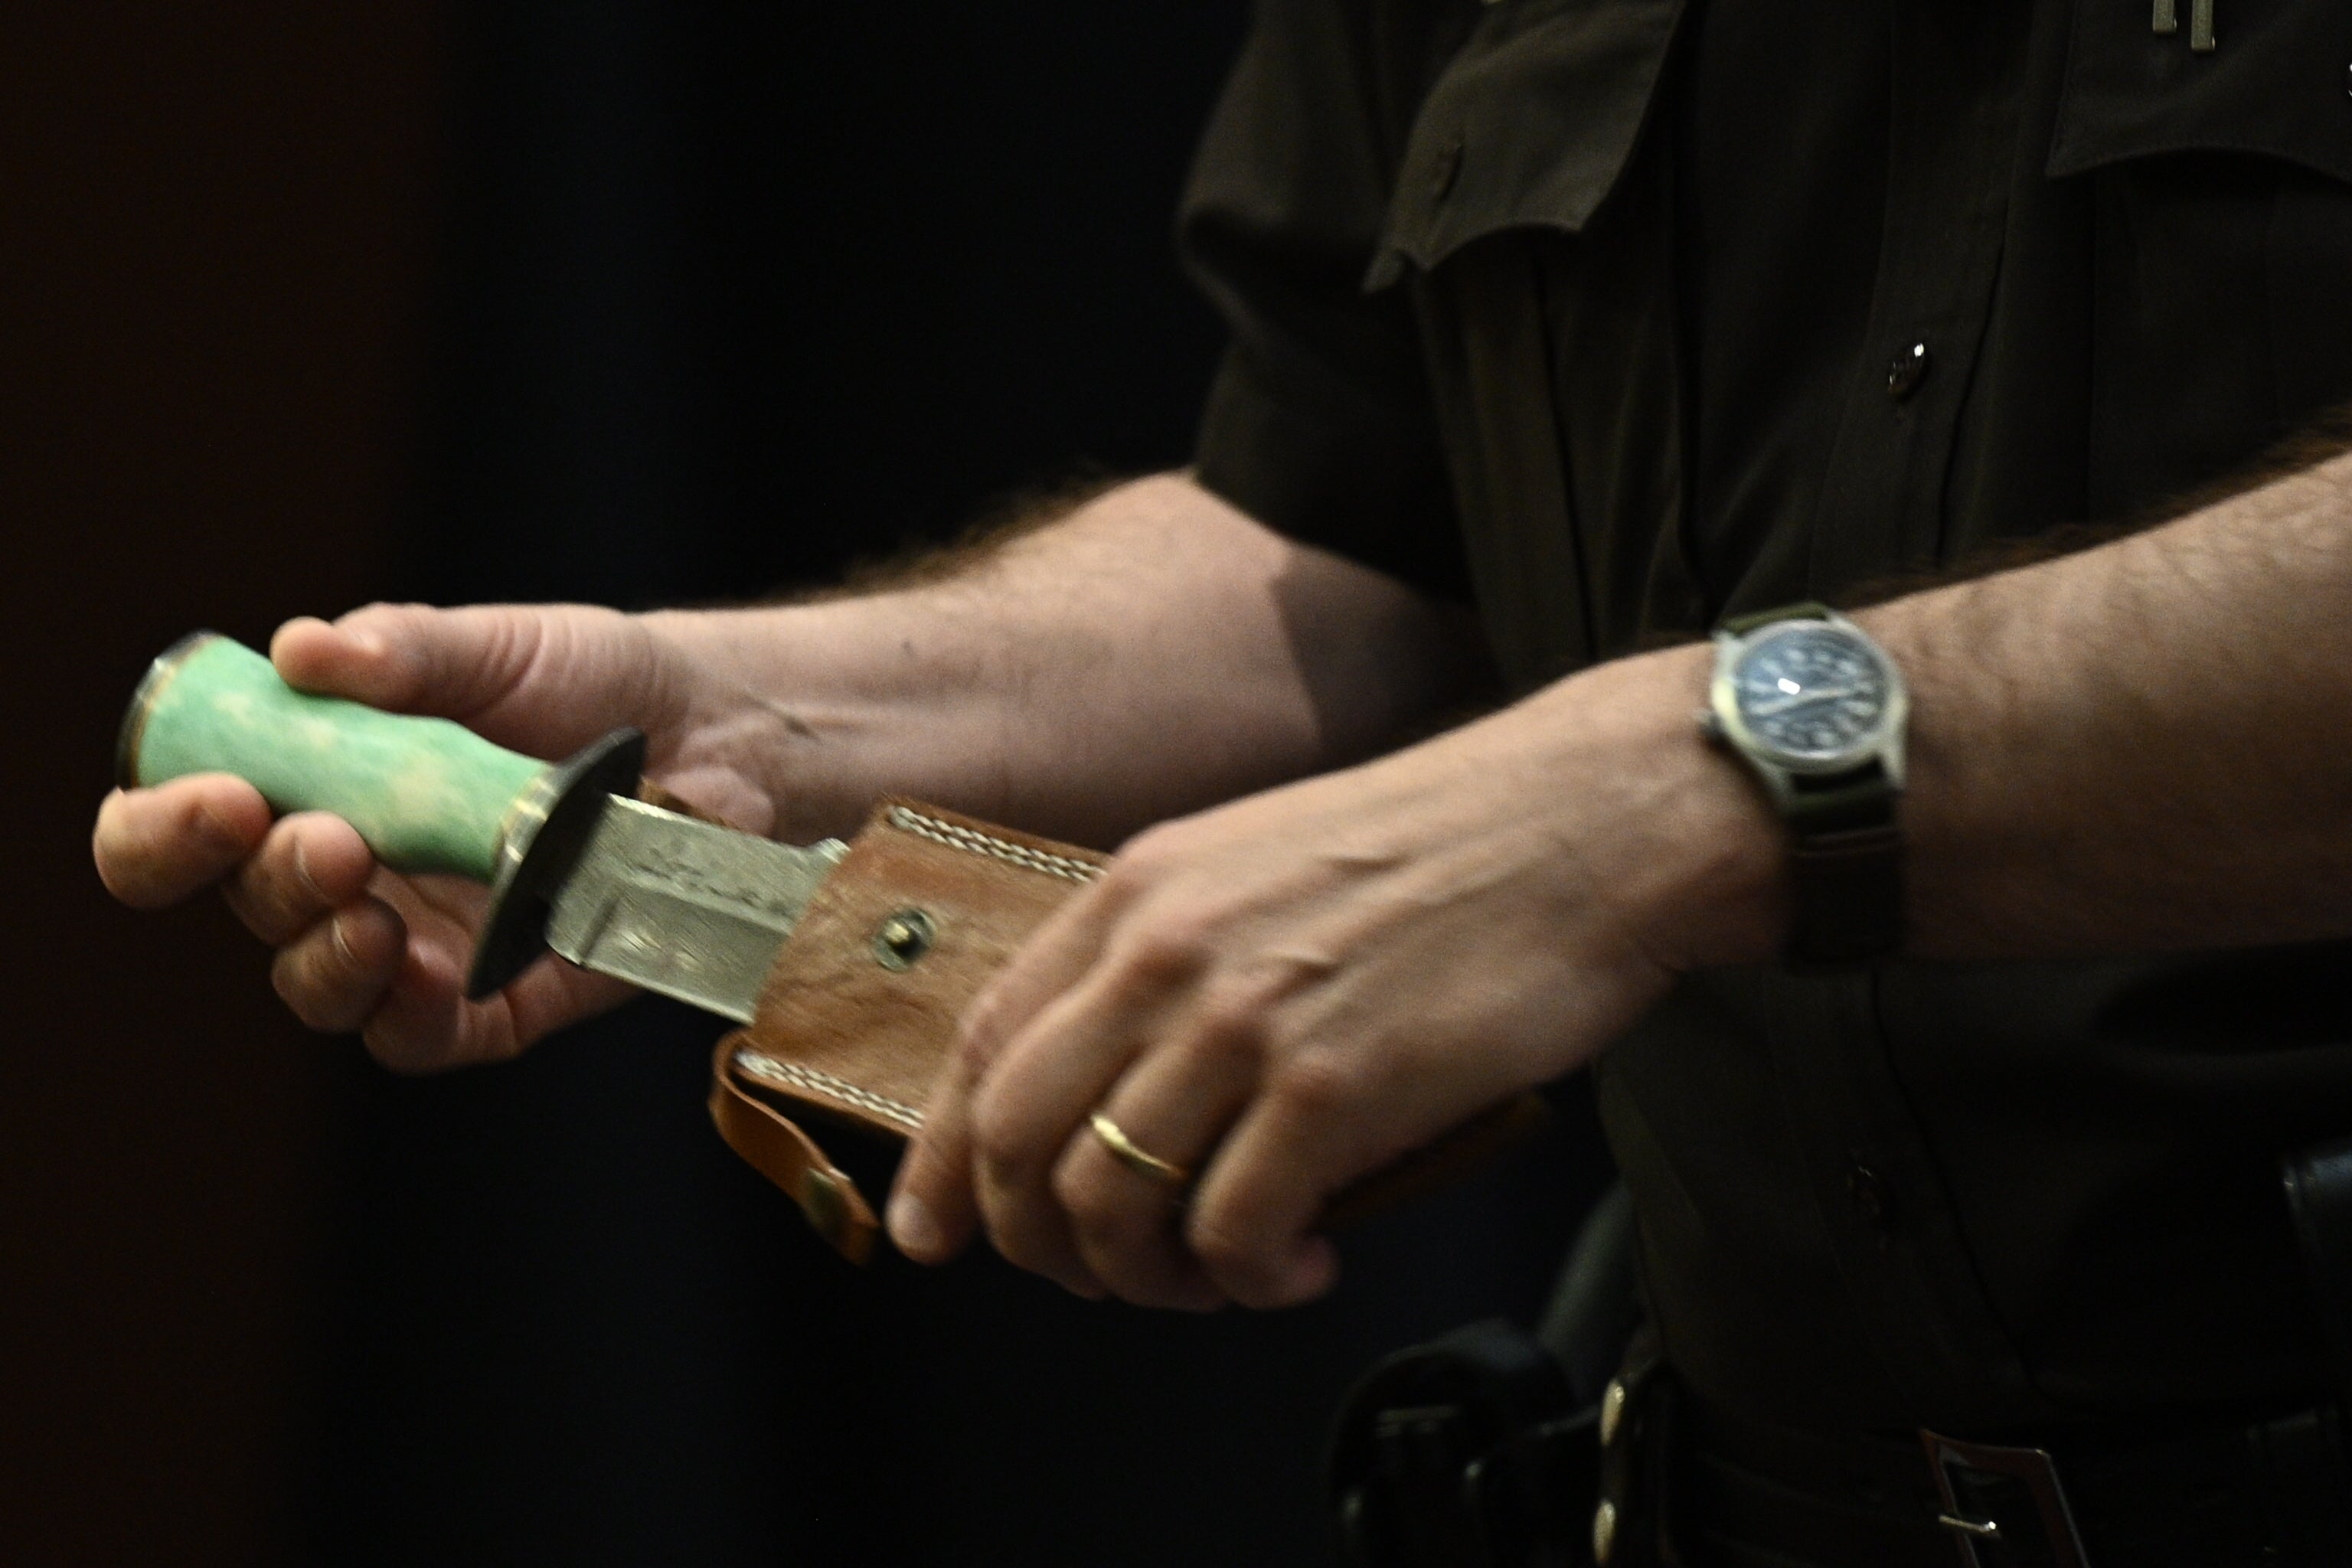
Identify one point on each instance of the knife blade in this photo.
(690, 910)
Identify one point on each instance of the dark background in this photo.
(615, 300)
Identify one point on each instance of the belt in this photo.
(2268, 1492)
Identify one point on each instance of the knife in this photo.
(897, 930)
(574, 863)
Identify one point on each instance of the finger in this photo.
(412, 658)
(310, 864)
(545, 679)
(933, 1210)
(421, 1025)
(1129, 1222)
(1174, 1104)
(1251, 1218)
(931, 1215)
(333, 975)
(1040, 1092)
(155, 847)
(424, 1024)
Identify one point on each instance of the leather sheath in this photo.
(862, 1003)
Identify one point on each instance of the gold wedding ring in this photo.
(1143, 1163)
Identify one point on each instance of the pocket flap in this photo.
(1529, 125)
(2276, 85)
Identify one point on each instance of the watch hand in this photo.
(1784, 704)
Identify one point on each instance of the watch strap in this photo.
(1756, 620)
(1842, 803)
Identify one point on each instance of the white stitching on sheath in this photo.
(759, 1065)
(959, 837)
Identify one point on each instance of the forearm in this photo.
(2143, 745)
(1151, 653)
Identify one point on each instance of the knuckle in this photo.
(153, 847)
(392, 618)
(1027, 1248)
(416, 1047)
(133, 877)
(976, 1040)
(1143, 859)
(999, 1142)
(1319, 1081)
(1099, 1218)
(1240, 1263)
(1235, 1026)
(258, 895)
(1071, 1190)
(1170, 949)
(513, 645)
(296, 975)
(249, 911)
(396, 1051)
(1226, 1251)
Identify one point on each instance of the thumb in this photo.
(540, 679)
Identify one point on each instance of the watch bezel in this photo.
(1879, 743)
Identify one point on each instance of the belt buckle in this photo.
(2004, 1506)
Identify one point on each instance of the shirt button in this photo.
(1909, 370)
(1605, 1531)
(1448, 167)
(1872, 1203)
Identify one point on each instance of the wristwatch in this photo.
(1816, 710)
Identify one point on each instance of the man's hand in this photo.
(1284, 993)
(361, 947)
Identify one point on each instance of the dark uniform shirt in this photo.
(1622, 315)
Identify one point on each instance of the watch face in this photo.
(1812, 690)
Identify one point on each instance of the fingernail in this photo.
(369, 643)
(342, 942)
(913, 1229)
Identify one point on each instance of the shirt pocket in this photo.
(2221, 200)
(1529, 126)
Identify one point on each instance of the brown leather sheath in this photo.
(862, 1005)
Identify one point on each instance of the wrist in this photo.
(739, 704)
(1700, 861)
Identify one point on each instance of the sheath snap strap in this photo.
(779, 1150)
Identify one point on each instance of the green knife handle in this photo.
(425, 793)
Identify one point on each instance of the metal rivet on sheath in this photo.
(821, 1201)
(903, 938)
(1613, 1410)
